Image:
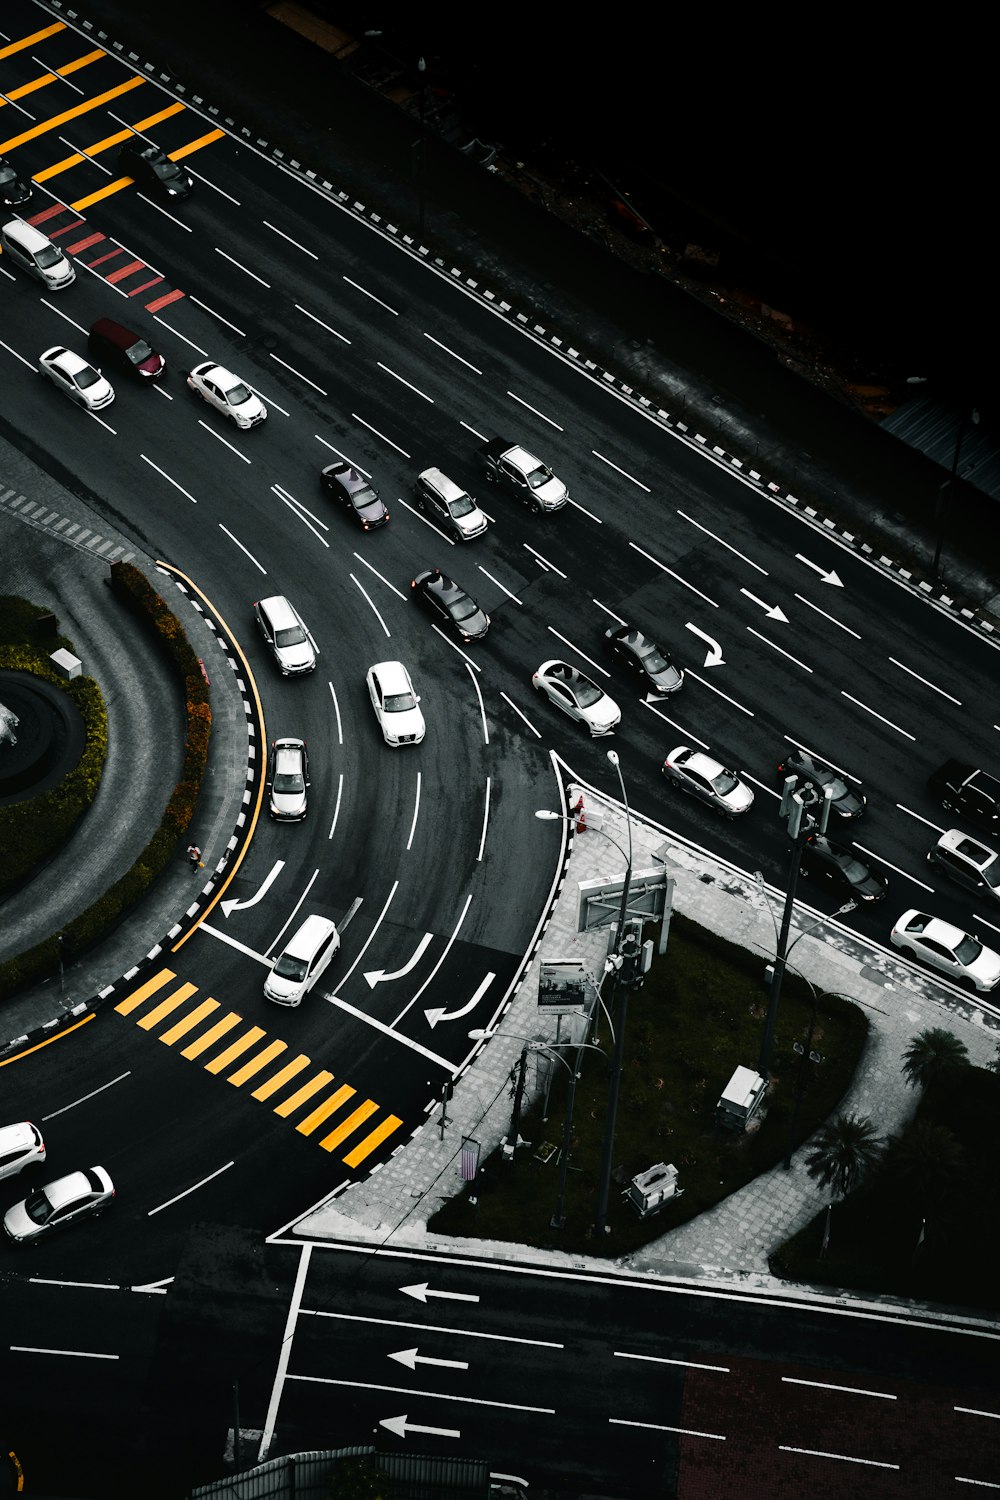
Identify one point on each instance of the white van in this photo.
(29, 249)
(302, 961)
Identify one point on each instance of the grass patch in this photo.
(699, 1014)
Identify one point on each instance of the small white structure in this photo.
(648, 1192)
(65, 662)
(740, 1099)
(8, 723)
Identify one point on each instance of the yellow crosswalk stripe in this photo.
(160, 116)
(189, 1022)
(291, 1104)
(182, 993)
(281, 1077)
(44, 79)
(235, 1050)
(70, 114)
(80, 62)
(212, 1035)
(29, 41)
(326, 1109)
(133, 1001)
(349, 1126)
(263, 1057)
(371, 1142)
(203, 140)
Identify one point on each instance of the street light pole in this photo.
(422, 70)
(620, 1011)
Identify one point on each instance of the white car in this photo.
(76, 378)
(227, 393)
(524, 475)
(577, 696)
(21, 1146)
(284, 630)
(449, 505)
(81, 1195)
(709, 780)
(949, 949)
(967, 862)
(395, 703)
(289, 780)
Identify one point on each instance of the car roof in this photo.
(65, 1189)
(393, 676)
(223, 377)
(70, 362)
(288, 749)
(279, 609)
(446, 488)
(13, 1136)
(969, 848)
(699, 761)
(935, 928)
(522, 459)
(26, 234)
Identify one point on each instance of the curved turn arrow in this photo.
(269, 879)
(379, 976)
(440, 1014)
(714, 657)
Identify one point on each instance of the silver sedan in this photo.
(709, 780)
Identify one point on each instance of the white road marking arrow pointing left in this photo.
(228, 906)
(402, 1425)
(434, 1016)
(714, 657)
(828, 576)
(422, 1291)
(410, 1358)
(771, 610)
(379, 976)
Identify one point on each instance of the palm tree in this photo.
(842, 1152)
(933, 1054)
(926, 1164)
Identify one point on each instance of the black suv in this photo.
(840, 868)
(963, 789)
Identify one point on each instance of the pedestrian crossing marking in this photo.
(263, 1057)
(189, 1022)
(157, 119)
(237, 1049)
(54, 122)
(290, 1105)
(365, 1148)
(324, 1110)
(281, 1077)
(182, 993)
(212, 1035)
(349, 1126)
(133, 1001)
(30, 41)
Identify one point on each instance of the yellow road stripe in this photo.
(300, 1096)
(57, 167)
(266, 1055)
(241, 1045)
(203, 140)
(189, 1022)
(30, 88)
(162, 114)
(48, 1041)
(212, 1035)
(29, 41)
(326, 1109)
(80, 62)
(282, 1076)
(133, 1001)
(70, 114)
(105, 192)
(349, 1126)
(367, 1146)
(166, 1006)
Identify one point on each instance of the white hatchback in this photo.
(76, 378)
(395, 703)
(954, 952)
(227, 393)
(21, 1146)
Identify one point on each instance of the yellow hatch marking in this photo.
(241, 1045)
(367, 1146)
(319, 1081)
(326, 1109)
(189, 1022)
(184, 992)
(133, 1001)
(282, 1076)
(349, 1126)
(212, 1035)
(255, 1064)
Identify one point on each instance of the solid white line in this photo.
(294, 1304)
(89, 1286)
(241, 267)
(409, 385)
(336, 709)
(336, 810)
(405, 1390)
(734, 550)
(623, 472)
(904, 732)
(905, 873)
(416, 809)
(381, 435)
(719, 1437)
(974, 1411)
(803, 600)
(517, 601)
(243, 549)
(583, 654)
(25, 362)
(926, 682)
(983, 1484)
(844, 1458)
(359, 288)
(68, 1353)
(83, 1100)
(299, 375)
(543, 560)
(685, 1364)
(482, 711)
(456, 647)
(476, 434)
(218, 436)
(444, 954)
(986, 923)
(371, 602)
(577, 506)
(920, 818)
(779, 648)
(378, 922)
(467, 1333)
(849, 1390)
(164, 475)
(397, 1036)
(188, 1191)
(300, 511)
(486, 822)
(426, 520)
(537, 413)
(381, 577)
(521, 715)
(461, 361)
(610, 612)
(232, 942)
(177, 333)
(655, 561)
(706, 683)
(205, 308)
(689, 738)
(293, 914)
(288, 237)
(305, 311)
(364, 472)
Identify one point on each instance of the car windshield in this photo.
(6, 176)
(292, 635)
(288, 781)
(139, 352)
(991, 874)
(725, 782)
(587, 693)
(654, 660)
(237, 394)
(364, 497)
(968, 950)
(38, 1208)
(400, 703)
(462, 609)
(47, 257)
(539, 476)
(289, 967)
(462, 506)
(87, 376)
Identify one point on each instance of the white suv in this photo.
(283, 629)
(448, 504)
(395, 703)
(29, 249)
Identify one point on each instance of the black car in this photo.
(13, 189)
(847, 803)
(644, 659)
(833, 865)
(356, 494)
(450, 605)
(150, 166)
(965, 789)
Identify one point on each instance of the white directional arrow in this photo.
(379, 976)
(771, 610)
(410, 1358)
(422, 1291)
(827, 575)
(434, 1016)
(402, 1425)
(714, 657)
(269, 879)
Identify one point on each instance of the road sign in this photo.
(599, 901)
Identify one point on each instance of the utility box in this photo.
(741, 1098)
(648, 1192)
(66, 663)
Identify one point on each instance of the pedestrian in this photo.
(194, 856)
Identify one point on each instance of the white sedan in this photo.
(227, 393)
(67, 1201)
(76, 378)
(709, 780)
(395, 703)
(956, 953)
(577, 696)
